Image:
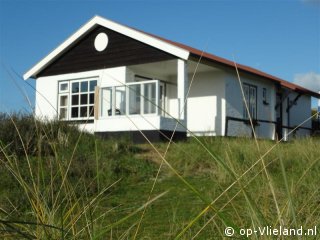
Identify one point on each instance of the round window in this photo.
(101, 42)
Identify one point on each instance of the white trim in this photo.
(97, 20)
(127, 99)
(75, 76)
(63, 91)
(182, 80)
(69, 93)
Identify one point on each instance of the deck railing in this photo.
(136, 98)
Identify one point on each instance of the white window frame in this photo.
(142, 99)
(63, 91)
(68, 92)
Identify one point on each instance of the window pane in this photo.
(246, 101)
(91, 98)
(134, 99)
(91, 111)
(83, 99)
(63, 113)
(246, 93)
(120, 101)
(74, 112)
(250, 93)
(75, 100)
(63, 87)
(149, 98)
(84, 86)
(75, 87)
(92, 85)
(253, 102)
(106, 102)
(63, 101)
(83, 111)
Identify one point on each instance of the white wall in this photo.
(47, 90)
(46, 98)
(301, 111)
(135, 123)
(206, 104)
(127, 123)
(235, 106)
(114, 77)
(172, 102)
(298, 113)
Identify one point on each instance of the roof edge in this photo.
(180, 50)
(210, 57)
(97, 20)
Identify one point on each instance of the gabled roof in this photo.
(177, 49)
(99, 21)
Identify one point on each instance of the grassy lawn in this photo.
(59, 183)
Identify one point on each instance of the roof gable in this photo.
(99, 21)
(120, 51)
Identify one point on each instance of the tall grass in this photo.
(50, 175)
(62, 183)
(108, 182)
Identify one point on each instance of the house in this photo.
(112, 80)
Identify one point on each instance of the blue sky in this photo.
(279, 37)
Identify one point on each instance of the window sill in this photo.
(129, 116)
(80, 121)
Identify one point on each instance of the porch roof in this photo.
(177, 49)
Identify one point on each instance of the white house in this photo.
(112, 79)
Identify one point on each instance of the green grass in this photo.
(59, 183)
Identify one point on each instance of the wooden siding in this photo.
(121, 51)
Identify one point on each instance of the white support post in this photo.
(96, 102)
(113, 104)
(182, 80)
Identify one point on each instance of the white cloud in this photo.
(309, 80)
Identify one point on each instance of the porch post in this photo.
(96, 102)
(182, 82)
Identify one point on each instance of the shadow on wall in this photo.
(218, 118)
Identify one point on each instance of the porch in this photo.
(140, 103)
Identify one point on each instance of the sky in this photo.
(280, 37)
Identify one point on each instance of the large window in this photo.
(134, 99)
(131, 99)
(150, 98)
(250, 93)
(76, 99)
